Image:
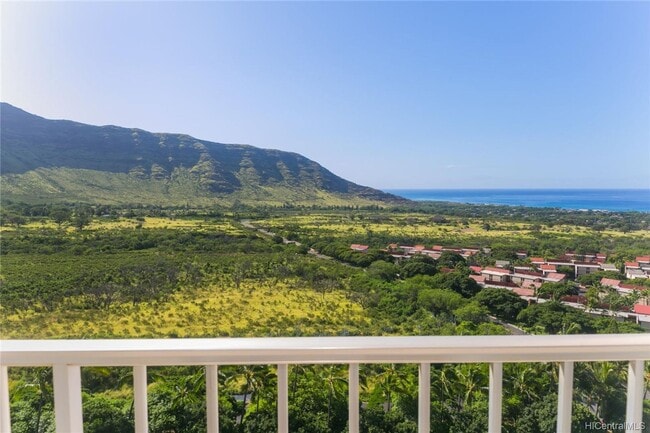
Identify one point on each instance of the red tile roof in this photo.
(643, 259)
(476, 269)
(556, 276)
(359, 247)
(537, 260)
(500, 284)
(560, 261)
(632, 287)
(610, 282)
(548, 267)
(529, 273)
(641, 309)
(496, 270)
(524, 292)
(631, 265)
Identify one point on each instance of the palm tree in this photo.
(241, 374)
(252, 379)
(388, 382)
(602, 387)
(593, 295)
(336, 381)
(520, 381)
(471, 379)
(186, 390)
(446, 384)
(39, 382)
(295, 372)
(571, 328)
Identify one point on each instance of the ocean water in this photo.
(594, 199)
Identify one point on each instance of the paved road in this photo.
(249, 225)
(514, 330)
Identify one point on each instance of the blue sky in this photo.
(424, 95)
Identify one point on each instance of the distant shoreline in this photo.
(614, 200)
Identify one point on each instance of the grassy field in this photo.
(227, 226)
(251, 310)
(420, 225)
(259, 305)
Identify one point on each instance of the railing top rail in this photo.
(324, 350)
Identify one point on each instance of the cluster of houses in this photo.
(640, 268)
(525, 279)
(620, 287)
(406, 251)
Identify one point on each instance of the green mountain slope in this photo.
(45, 160)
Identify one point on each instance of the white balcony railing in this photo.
(67, 356)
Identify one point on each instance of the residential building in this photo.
(496, 274)
(608, 267)
(635, 273)
(584, 268)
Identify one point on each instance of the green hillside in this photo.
(45, 160)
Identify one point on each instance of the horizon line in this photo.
(641, 188)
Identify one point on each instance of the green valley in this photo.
(104, 271)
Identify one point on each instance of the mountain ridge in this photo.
(43, 159)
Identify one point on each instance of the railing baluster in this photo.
(635, 390)
(495, 397)
(5, 414)
(66, 356)
(283, 399)
(424, 398)
(353, 398)
(67, 398)
(565, 397)
(212, 397)
(140, 399)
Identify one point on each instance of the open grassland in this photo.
(421, 225)
(223, 225)
(252, 310)
(416, 225)
(170, 277)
